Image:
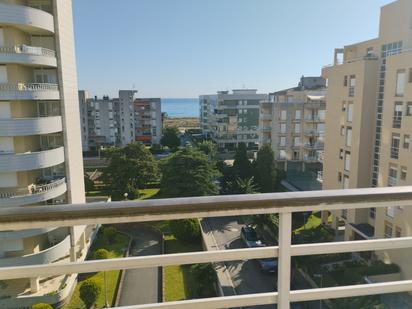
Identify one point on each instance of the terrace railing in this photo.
(285, 204)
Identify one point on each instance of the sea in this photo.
(179, 108)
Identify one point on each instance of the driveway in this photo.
(246, 275)
(141, 286)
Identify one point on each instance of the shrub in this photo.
(186, 230)
(88, 184)
(351, 276)
(205, 276)
(101, 254)
(89, 292)
(110, 234)
(42, 306)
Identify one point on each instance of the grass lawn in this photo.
(179, 281)
(116, 249)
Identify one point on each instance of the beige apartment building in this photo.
(292, 121)
(40, 142)
(369, 126)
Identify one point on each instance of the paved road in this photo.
(141, 286)
(246, 275)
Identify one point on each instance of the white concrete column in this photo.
(72, 245)
(284, 260)
(34, 285)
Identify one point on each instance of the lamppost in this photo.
(321, 285)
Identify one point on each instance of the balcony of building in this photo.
(30, 126)
(314, 145)
(27, 161)
(41, 191)
(28, 55)
(285, 204)
(31, 20)
(29, 91)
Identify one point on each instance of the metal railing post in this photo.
(284, 260)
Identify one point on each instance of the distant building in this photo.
(148, 120)
(231, 118)
(292, 121)
(119, 121)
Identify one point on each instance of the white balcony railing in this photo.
(29, 87)
(203, 207)
(29, 91)
(32, 194)
(28, 50)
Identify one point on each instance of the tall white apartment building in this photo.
(40, 145)
(231, 118)
(369, 128)
(126, 114)
(292, 121)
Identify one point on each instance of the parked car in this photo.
(249, 237)
(268, 265)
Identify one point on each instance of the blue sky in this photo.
(184, 48)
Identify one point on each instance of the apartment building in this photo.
(231, 118)
(148, 120)
(369, 124)
(292, 121)
(99, 121)
(119, 121)
(40, 157)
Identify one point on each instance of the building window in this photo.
(406, 141)
(296, 156)
(296, 141)
(342, 131)
(297, 128)
(350, 112)
(344, 106)
(400, 83)
(395, 146)
(283, 115)
(282, 142)
(345, 81)
(341, 154)
(372, 213)
(390, 212)
(345, 182)
(348, 136)
(393, 176)
(298, 114)
(409, 109)
(339, 177)
(397, 115)
(283, 128)
(388, 229)
(404, 172)
(347, 161)
(352, 85)
(398, 232)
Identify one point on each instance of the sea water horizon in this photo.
(181, 107)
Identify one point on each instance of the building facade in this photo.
(148, 120)
(119, 121)
(369, 124)
(292, 121)
(231, 118)
(40, 157)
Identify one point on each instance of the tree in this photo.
(129, 169)
(187, 230)
(242, 165)
(110, 233)
(171, 137)
(89, 292)
(205, 277)
(266, 175)
(88, 184)
(101, 254)
(242, 186)
(208, 148)
(187, 173)
(42, 306)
